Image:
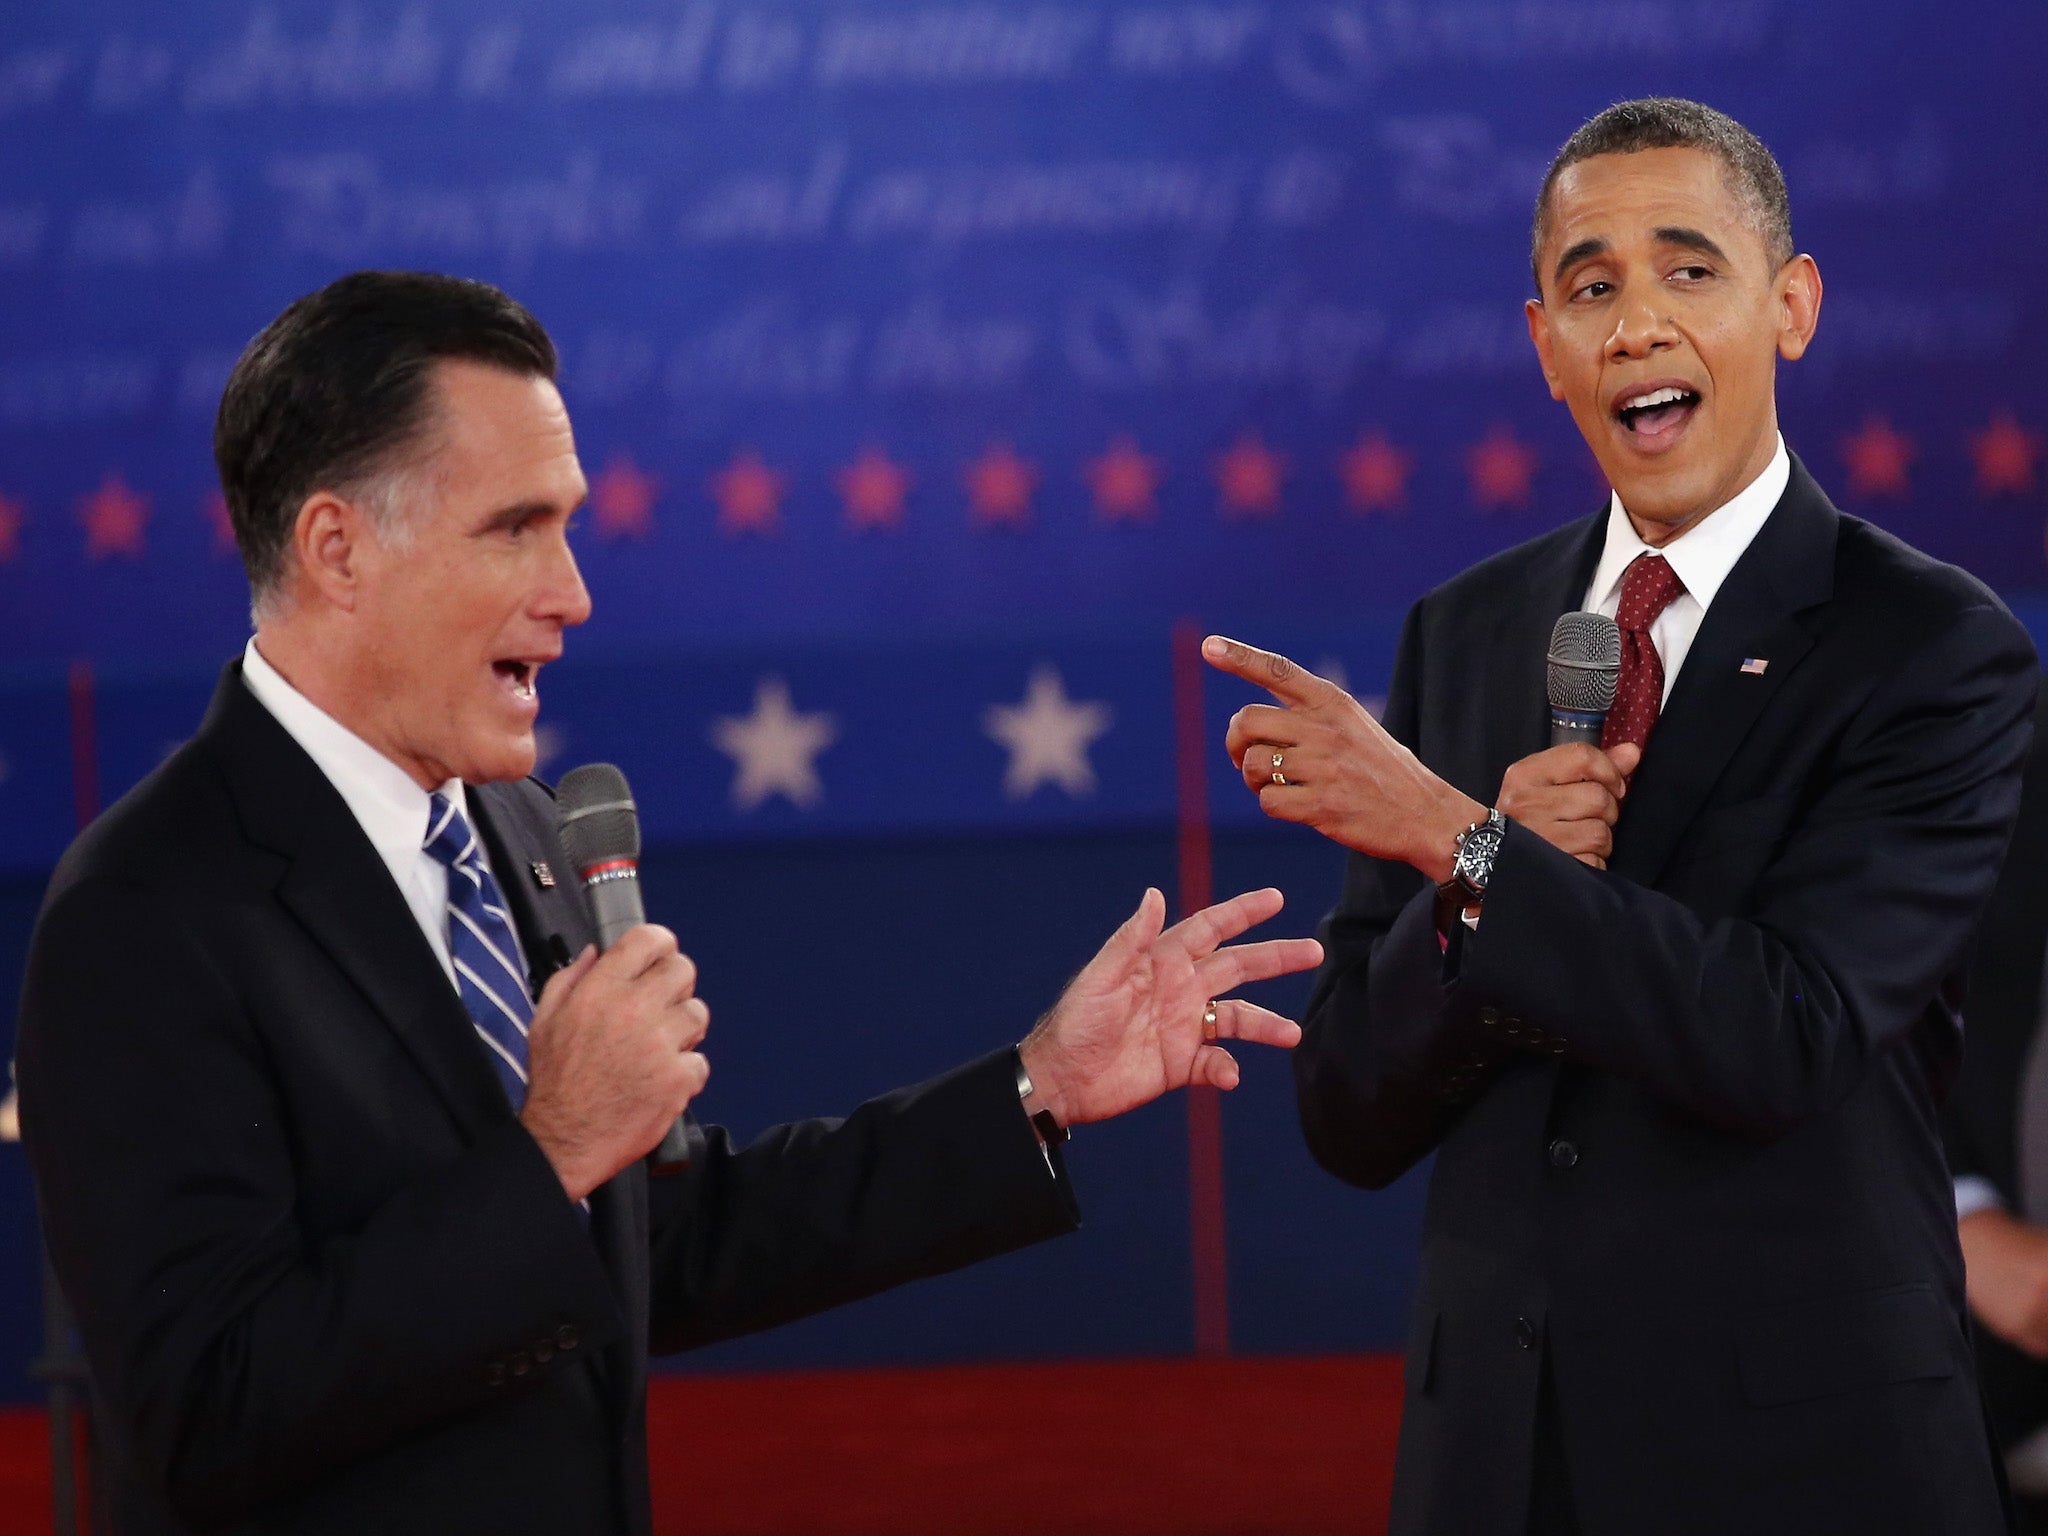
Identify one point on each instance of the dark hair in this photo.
(1667, 122)
(336, 389)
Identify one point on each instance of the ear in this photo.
(330, 541)
(1539, 332)
(1798, 299)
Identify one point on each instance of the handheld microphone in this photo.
(1584, 663)
(601, 834)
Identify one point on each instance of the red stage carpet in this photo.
(1190, 1447)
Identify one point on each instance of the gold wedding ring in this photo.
(1209, 1020)
(1279, 762)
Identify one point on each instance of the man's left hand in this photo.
(1323, 760)
(1130, 1026)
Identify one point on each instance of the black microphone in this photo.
(1584, 662)
(601, 834)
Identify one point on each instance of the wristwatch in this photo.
(1478, 846)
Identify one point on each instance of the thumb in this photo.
(1625, 756)
(564, 981)
(1145, 924)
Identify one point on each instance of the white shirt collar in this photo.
(391, 808)
(1706, 552)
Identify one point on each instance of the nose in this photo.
(1641, 328)
(563, 596)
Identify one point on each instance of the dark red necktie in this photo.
(1647, 588)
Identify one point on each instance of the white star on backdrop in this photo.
(1048, 736)
(775, 748)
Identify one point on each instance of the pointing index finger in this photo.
(1286, 680)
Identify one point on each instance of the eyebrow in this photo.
(1666, 234)
(519, 512)
(1691, 239)
(1575, 255)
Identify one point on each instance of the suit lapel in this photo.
(517, 824)
(342, 894)
(1520, 645)
(1768, 609)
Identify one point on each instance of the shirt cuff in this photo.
(1974, 1194)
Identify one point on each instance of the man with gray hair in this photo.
(336, 1115)
(1674, 1012)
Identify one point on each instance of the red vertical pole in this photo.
(85, 751)
(60, 1365)
(1205, 1107)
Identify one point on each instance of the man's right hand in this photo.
(2005, 1267)
(612, 1056)
(1570, 796)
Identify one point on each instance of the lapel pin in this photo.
(1755, 665)
(542, 875)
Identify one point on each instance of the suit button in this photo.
(566, 1336)
(1557, 1046)
(521, 1362)
(1525, 1333)
(1533, 1035)
(1489, 1017)
(543, 1352)
(1563, 1154)
(497, 1375)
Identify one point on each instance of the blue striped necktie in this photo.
(481, 944)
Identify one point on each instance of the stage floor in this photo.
(1265, 1447)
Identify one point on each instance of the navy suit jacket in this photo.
(1684, 1109)
(325, 1280)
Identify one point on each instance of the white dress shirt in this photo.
(1702, 557)
(387, 804)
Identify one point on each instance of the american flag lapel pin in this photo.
(1755, 665)
(542, 875)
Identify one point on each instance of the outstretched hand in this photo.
(1130, 1026)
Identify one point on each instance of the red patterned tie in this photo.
(1647, 588)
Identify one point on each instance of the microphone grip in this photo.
(1570, 725)
(615, 902)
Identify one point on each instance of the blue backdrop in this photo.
(929, 361)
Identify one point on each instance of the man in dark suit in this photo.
(1995, 1126)
(1676, 1022)
(345, 1188)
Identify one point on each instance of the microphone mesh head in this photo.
(599, 822)
(1585, 660)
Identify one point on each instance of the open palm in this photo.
(1130, 1026)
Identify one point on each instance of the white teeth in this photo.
(1664, 396)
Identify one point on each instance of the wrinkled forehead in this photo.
(1624, 201)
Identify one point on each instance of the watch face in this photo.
(1476, 857)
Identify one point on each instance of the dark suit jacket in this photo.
(1683, 1109)
(1980, 1122)
(325, 1280)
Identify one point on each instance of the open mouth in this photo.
(1657, 414)
(517, 676)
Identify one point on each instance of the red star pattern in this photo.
(622, 499)
(11, 519)
(1125, 482)
(1248, 478)
(1877, 458)
(1000, 487)
(216, 509)
(2005, 453)
(115, 518)
(1375, 474)
(873, 487)
(1502, 469)
(749, 495)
